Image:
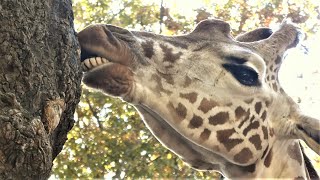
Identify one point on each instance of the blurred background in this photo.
(109, 140)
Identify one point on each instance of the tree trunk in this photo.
(39, 84)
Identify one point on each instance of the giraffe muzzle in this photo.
(103, 44)
(106, 59)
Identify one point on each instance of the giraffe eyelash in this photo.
(235, 60)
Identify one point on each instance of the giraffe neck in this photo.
(283, 160)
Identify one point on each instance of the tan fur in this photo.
(213, 100)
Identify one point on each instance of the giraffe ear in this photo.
(308, 129)
(255, 35)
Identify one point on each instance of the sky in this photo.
(300, 76)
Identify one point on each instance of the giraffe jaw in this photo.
(191, 153)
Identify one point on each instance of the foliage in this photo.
(109, 139)
(125, 13)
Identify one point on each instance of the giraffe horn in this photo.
(286, 37)
(212, 29)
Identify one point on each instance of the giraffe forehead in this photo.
(203, 60)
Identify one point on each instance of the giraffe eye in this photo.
(244, 74)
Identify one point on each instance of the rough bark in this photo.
(39, 84)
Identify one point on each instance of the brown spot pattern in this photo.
(192, 97)
(275, 87)
(167, 77)
(271, 67)
(271, 132)
(257, 107)
(256, 141)
(205, 135)
(265, 132)
(206, 105)
(268, 103)
(229, 104)
(299, 178)
(181, 111)
(265, 152)
(250, 168)
(195, 122)
(223, 137)
(159, 87)
(219, 118)
(251, 126)
(202, 46)
(267, 160)
(148, 48)
(168, 55)
(278, 60)
(245, 119)
(249, 101)
(172, 40)
(294, 152)
(252, 118)
(187, 82)
(176, 43)
(264, 115)
(239, 112)
(243, 156)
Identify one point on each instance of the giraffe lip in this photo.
(85, 54)
(90, 60)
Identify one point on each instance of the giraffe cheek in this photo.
(113, 79)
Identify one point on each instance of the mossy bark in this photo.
(40, 81)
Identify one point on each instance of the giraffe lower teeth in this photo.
(93, 62)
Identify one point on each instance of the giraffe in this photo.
(212, 99)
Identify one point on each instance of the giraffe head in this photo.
(211, 98)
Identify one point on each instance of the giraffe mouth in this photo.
(93, 62)
(90, 61)
(101, 46)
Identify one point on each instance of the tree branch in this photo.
(161, 16)
(119, 12)
(94, 113)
